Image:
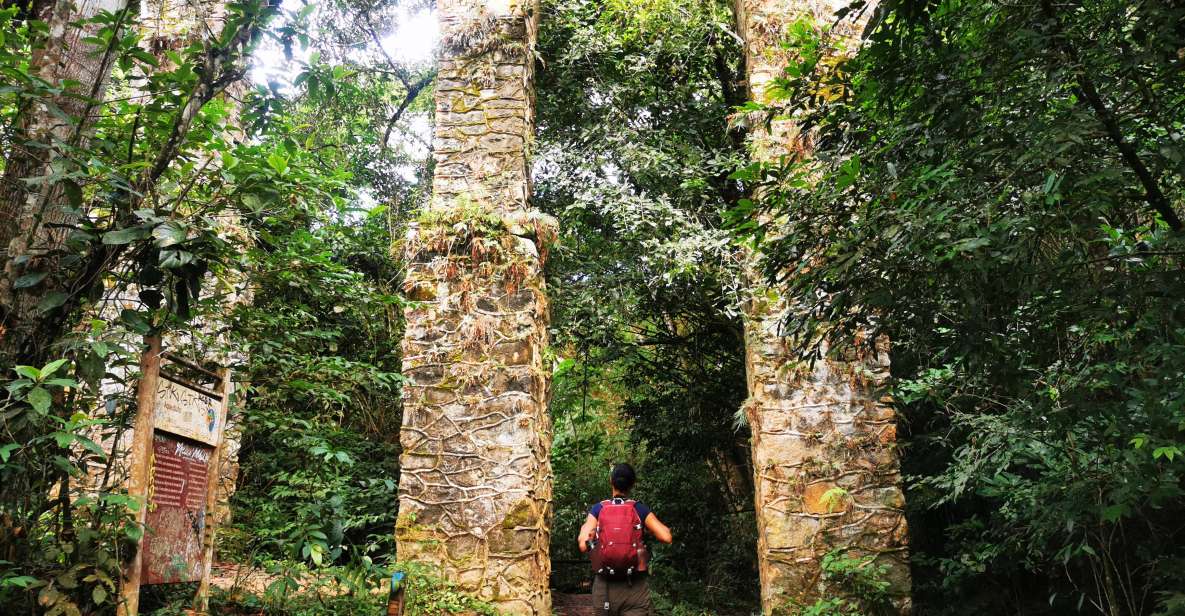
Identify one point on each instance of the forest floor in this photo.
(572, 605)
(234, 576)
(249, 580)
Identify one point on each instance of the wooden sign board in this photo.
(176, 520)
(183, 410)
(175, 455)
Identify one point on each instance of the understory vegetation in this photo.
(997, 187)
(994, 186)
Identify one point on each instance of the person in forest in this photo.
(613, 531)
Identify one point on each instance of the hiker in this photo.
(613, 530)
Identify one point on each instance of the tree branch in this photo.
(1087, 91)
(413, 92)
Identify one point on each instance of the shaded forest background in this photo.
(995, 186)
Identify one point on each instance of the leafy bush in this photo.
(996, 187)
(321, 416)
(358, 588)
(860, 581)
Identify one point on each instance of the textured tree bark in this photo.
(475, 484)
(32, 212)
(826, 471)
(27, 331)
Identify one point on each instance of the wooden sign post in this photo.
(177, 449)
(138, 459)
(201, 603)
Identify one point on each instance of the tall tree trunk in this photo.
(475, 485)
(26, 331)
(34, 210)
(826, 472)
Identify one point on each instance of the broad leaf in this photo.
(40, 399)
(52, 300)
(120, 237)
(169, 233)
(29, 280)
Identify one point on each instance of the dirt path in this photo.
(572, 605)
(229, 576)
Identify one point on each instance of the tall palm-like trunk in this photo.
(826, 472)
(475, 485)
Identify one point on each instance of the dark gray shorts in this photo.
(630, 598)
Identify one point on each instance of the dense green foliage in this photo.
(634, 154)
(320, 337)
(143, 252)
(320, 420)
(996, 187)
(174, 219)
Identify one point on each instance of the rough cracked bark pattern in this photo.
(475, 485)
(40, 212)
(33, 212)
(826, 470)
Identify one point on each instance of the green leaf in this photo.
(169, 234)
(99, 594)
(120, 237)
(833, 498)
(278, 161)
(29, 372)
(6, 451)
(133, 532)
(29, 280)
(91, 446)
(747, 173)
(52, 367)
(972, 243)
(20, 581)
(62, 382)
(136, 321)
(143, 56)
(52, 300)
(172, 259)
(73, 193)
(1114, 513)
(39, 399)
(1170, 452)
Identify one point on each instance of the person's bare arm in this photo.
(586, 533)
(658, 529)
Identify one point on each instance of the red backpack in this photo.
(619, 539)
